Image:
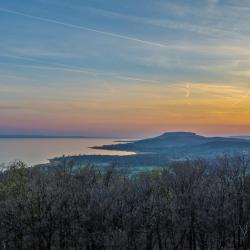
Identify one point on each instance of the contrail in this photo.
(187, 90)
(76, 69)
(134, 39)
(59, 66)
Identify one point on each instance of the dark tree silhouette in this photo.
(187, 205)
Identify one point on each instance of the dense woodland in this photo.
(187, 205)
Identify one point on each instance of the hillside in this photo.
(177, 141)
(163, 149)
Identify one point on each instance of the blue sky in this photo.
(124, 68)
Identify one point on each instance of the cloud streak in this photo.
(9, 107)
(64, 67)
(80, 27)
(212, 31)
(188, 89)
(242, 99)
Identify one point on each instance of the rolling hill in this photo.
(178, 141)
(163, 149)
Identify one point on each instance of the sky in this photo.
(124, 68)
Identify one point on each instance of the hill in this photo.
(163, 149)
(177, 141)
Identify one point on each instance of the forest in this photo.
(192, 204)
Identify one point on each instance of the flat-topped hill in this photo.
(177, 141)
(165, 148)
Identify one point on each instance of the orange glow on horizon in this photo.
(210, 109)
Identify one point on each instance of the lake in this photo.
(36, 151)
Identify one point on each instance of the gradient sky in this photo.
(124, 68)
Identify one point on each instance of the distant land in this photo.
(161, 150)
(54, 137)
(247, 137)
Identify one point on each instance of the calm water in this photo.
(35, 151)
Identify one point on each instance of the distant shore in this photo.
(53, 137)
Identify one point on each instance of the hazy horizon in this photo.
(103, 136)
